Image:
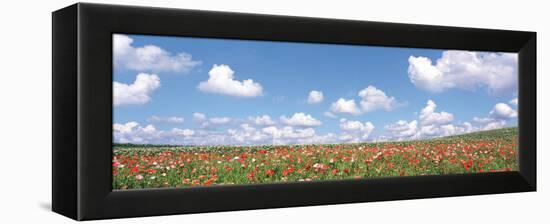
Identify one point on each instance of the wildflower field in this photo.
(154, 166)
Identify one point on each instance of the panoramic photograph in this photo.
(190, 112)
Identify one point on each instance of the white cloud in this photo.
(263, 120)
(288, 132)
(483, 120)
(346, 137)
(514, 101)
(355, 130)
(199, 117)
(277, 135)
(374, 99)
(428, 116)
(494, 125)
(219, 120)
(350, 125)
(212, 122)
(300, 119)
(159, 119)
(183, 132)
(445, 130)
(450, 129)
(329, 114)
(132, 132)
(315, 97)
(432, 124)
(149, 57)
(320, 139)
(221, 81)
(247, 135)
(489, 123)
(465, 70)
(247, 127)
(138, 92)
(345, 106)
(125, 128)
(403, 129)
(503, 111)
(244, 134)
(498, 117)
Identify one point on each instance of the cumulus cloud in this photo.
(431, 124)
(264, 120)
(465, 70)
(159, 119)
(132, 132)
(288, 134)
(497, 118)
(219, 120)
(199, 117)
(241, 134)
(315, 97)
(503, 111)
(300, 119)
(149, 57)
(483, 120)
(496, 124)
(222, 81)
(374, 99)
(345, 106)
(328, 138)
(137, 93)
(183, 132)
(350, 125)
(247, 135)
(446, 130)
(403, 129)
(428, 116)
(125, 128)
(211, 122)
(489, 123)
(355, 131)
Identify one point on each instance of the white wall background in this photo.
(25, 87)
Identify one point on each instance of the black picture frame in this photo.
(82, 110)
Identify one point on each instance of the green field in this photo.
(154, 166)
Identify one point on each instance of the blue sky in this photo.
(473, 87)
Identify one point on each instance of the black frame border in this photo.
(82, 110)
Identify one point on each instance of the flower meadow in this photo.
(156, 166)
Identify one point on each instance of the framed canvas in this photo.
(169, 111)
